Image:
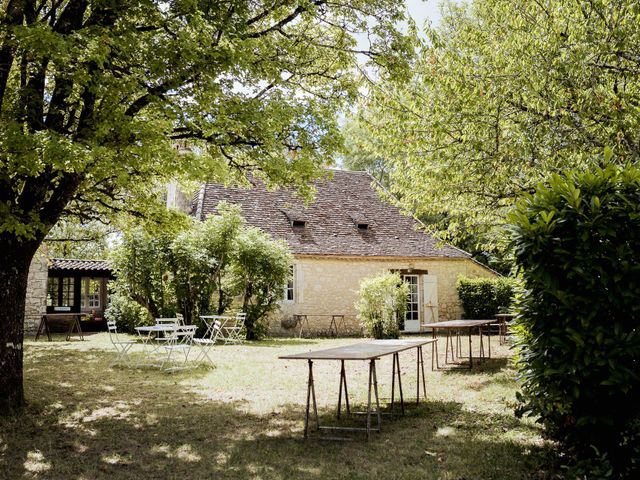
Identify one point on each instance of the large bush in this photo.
(577, 243)
(382, 304)
(128, 313)
(482, 298)
(200, 268)
(260, 267)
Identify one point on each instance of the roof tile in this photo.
(331, 219)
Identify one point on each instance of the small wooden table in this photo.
(457, 325)
(369, 351)
(72, 318)
(503, 319)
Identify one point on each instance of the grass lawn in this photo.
(244, 418)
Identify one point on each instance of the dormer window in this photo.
(296, 218)
(360, 221)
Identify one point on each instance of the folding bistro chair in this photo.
(121, 346)
(234, 332)
(210, 337)
(168, 336)
(179, 343)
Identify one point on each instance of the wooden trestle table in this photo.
(456, 326)
(368, 351)
(72, 318)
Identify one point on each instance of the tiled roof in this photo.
(78, 264)
(331, 220)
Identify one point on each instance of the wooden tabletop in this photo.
(458, 324)
(360, 351)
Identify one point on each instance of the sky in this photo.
(422, 10)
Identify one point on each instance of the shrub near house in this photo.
(207, 267)
(577, 241)
(382, 304)
(482, 298)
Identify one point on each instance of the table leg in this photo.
(418, 375)
(400, 383)
(434, 349)
(369, 399)
(343, 380)
(393, 384)
(481, 356)
(72, 324)
(424, 385)
(489, 339)
(40, 327)
(375, 387)
(470, 350)
(311, 393)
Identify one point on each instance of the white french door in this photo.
(412, 315)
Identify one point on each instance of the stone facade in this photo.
(327, 285)
(36, 300)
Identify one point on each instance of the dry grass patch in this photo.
(244, 419)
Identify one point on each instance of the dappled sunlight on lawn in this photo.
(243, 418)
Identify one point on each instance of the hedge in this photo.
(484, 297)
(577, 243)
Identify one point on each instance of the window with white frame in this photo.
(91, 288)
(289, 286)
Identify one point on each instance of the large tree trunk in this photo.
(14, 271)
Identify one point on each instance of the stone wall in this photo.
(329, 285)
(36, 301)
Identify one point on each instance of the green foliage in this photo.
(142, 273)
(260, 268)
(577, 242)
(74, 239)
(200, 258)
(482, 298)
(128, 313)
(94, 94)
(504, 93)
(205, 268)
(382, 304)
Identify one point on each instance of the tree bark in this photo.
(14, 271)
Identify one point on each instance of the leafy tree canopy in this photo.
(94, 95)
(504, 93)
(73, 239)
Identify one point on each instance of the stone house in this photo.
(62, 285)
(346, 234)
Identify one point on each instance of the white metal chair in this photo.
(121, 346)
(167, 322)
(209, 340)
(180, 343)
(235, 331)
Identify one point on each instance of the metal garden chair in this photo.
(234, 333)
(178, 344)
(121, 346)
(209, 340)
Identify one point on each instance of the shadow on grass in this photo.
(86, 421)
(489, 365)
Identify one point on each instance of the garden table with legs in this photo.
(151, 334)
(370, 352)
(453, 329)
(503, 319)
